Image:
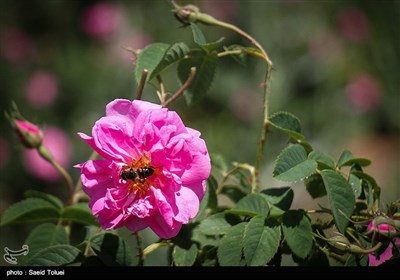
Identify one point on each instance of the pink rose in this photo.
(153, 172)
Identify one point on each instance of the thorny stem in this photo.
(139, 248)
(141, 84)
(187, 83)
(189, 14)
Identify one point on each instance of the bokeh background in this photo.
(337, 69)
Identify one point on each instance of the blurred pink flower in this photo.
(42, 89)
(101, 19)
(153, 169)
(353, 25)
(58, 143)
(4, 152)
(364, 93)
(15, 45)
(385, 256)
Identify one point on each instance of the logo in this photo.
(10, 255)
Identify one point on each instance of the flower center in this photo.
(138, 174)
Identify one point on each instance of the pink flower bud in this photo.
(58, 144)
(29, 134)
(381, 232)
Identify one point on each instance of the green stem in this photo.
(189, 14)
(45, 154)
(139, 248)
(153, 247)
(231, 52)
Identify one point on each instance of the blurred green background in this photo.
(337, 69)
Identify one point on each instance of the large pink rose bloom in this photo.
(153, 172)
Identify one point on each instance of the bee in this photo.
(139, 174)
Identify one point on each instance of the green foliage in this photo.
(30, 210)
(48, 197)
(215, 224)
(184, 256)
(297, 230)
(292, 164)
(111, 249)
(280, 197)
(56, 255)
(79, 213)
(149, 58)
(44, 236)
(230, 247)
(287, 123)
(251, 205)
(201, 41)
(174, 53)
(260, 242)
(206, 65)
(315, 186)
(340, 196)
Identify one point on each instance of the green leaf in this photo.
(201, 41)
(215, 224)
(45, 235)
(174, 53)
(198, 35)
(30, 210)
(344, 157)
(292, 164)
(206, 65)
(357, 260)
(251, 205)
(79, 213)
(280, 197)
(112, 250)
(56, 255)
(347, 159)
(315, 186)
(184, 256)
(260, 243)
(149, 58)
(298, 232)
(230, 248)
(233, 192)
(340, 196)
(324, 161)
(355, 184)
(48, 197)
(209, 200)
(367, 178)
(219, 163)
(287, 123)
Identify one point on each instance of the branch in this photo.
(141, 84)
(187, 83)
